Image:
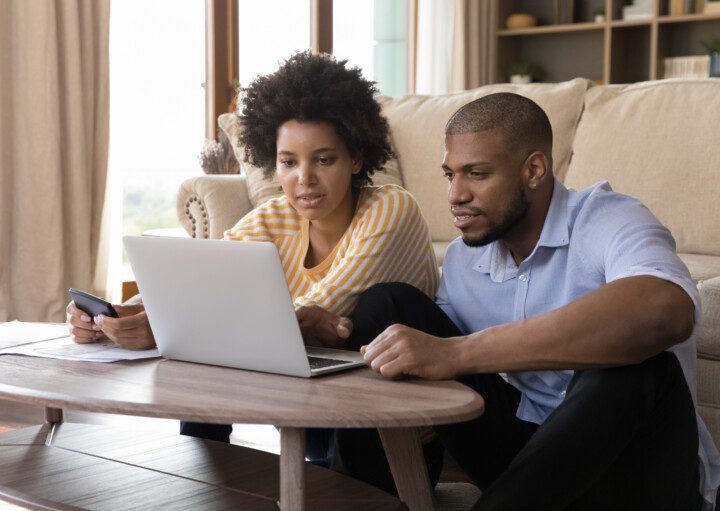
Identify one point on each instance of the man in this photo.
(580, 299)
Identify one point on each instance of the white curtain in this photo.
(452, 39)
(53, 153)
(440, 64)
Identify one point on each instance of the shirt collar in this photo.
(556, 232)
(496, 259)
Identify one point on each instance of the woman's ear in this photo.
(357, 164)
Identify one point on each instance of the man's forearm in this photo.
(623, 322)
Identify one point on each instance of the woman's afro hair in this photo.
(317, 88)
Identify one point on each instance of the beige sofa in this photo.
(658, 141)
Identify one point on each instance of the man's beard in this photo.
(511, 218)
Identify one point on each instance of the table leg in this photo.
(405, 456)
(292, 469)
(53, 416)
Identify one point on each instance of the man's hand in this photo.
(131, 330)
(81, 326)
(321, 327)
(403, 351)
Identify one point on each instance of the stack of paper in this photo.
(51, 340)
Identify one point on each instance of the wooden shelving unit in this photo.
(613, 51)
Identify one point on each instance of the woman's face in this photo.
(315, 170)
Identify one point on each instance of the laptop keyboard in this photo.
(321, 362)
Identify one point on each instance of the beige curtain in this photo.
(53, 153)
(472, 47)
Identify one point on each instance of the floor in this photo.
(455, 494)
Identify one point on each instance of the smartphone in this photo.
(92, 305)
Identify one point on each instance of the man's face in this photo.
(486, 191)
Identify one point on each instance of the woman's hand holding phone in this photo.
(92, 319)
(82, 328)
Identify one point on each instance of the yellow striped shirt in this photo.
(386, 241)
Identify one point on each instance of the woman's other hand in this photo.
(321, 327)
(131, 330)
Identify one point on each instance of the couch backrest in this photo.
(418, 122)
(659, 142)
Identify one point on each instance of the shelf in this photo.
(614, 51)
(630, 23)
(686, 18)
(551, 29)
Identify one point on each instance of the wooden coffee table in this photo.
(201, 393)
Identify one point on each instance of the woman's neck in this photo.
(326, 233)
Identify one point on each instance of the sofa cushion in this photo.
(657, 141)
(708, 343)
(440, 247)
(261, 188)
(708, 395)
(418, 131)
(702, 267)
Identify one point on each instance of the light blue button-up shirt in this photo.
(590, 238)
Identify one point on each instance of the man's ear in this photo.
(537, 167)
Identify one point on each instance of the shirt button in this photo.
(522, 278)
(562, 394)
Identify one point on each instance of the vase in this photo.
(715, 64)
(520, 79)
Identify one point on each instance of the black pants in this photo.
(624, 438)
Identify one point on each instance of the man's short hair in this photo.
(525, 125)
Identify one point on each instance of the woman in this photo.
(316, 124)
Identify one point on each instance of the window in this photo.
(372, 34)
(270, 31)
(157, 68)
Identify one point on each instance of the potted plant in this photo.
(713, 47)
(599, 15)
(524, 72)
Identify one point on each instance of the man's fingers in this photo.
(387, 363)
(381, 343)
(392, 369)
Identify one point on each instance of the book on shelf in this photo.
(639, 10)
(563, 11)
(711, 8)
(696, 66)
(694, 6)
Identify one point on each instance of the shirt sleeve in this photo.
(443, 297)
(623, 238)
(390, 243)
(258, 224)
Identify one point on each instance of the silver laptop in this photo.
(225, 303)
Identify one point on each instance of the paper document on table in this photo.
(66, 349)
(16, 333)
(102, 351)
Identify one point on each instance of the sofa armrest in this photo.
(209, 205)
(708, 341)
